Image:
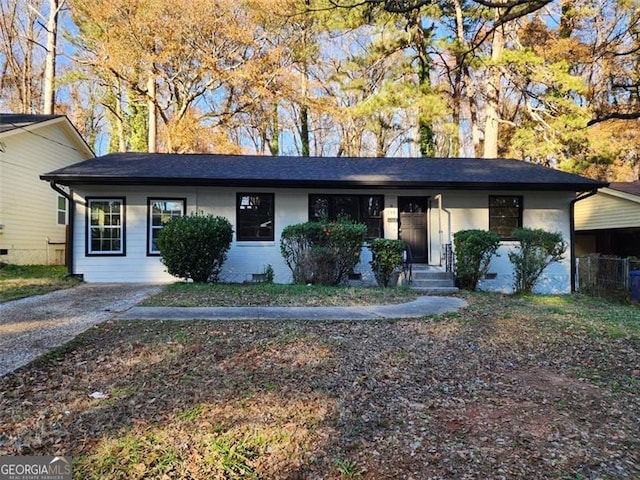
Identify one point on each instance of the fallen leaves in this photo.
(505, 389)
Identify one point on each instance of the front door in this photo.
(412, 226)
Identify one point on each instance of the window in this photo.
(105, 226)
(254, 217)
(62, 210)
(365, 209)
(161, 211)
(505, 214)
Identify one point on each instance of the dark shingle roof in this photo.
(632, 188)
(338, 172)
(11, 121)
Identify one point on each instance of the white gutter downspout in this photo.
(438, 197)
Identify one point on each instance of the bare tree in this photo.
(51, 53)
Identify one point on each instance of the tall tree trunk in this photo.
(50, 59)
(381, 150)
(274, 142)
(118, 118)
(305, 140)
(421, 40)
(153, 120)
(304, 131)
(492, 103)
(473, 118)
(28, 81)
(459, 75)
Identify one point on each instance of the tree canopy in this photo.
(555, 82)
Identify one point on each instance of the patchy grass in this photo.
(263, 294)
(510, 387)
(19, 281)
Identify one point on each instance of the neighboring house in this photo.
(122, 200)
(608, 223)
(33, 217)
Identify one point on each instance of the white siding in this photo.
(545, 210)
(607, 209)
(460, 210)
(28, 206)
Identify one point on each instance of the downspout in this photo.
(572, 230)
(72, 212)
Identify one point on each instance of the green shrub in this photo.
(386, 258)
(474, 249)
(322, 252)
(269, 273)
(195, 246)
(537, 250)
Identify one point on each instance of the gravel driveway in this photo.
(31, 326)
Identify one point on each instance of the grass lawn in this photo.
(264, 294)
(18, 281)
(510, 387)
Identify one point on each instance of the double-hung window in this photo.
(105, 226)
(62, 210)
(254, 217)
(505, 214)
(161, 211)
(366, 209)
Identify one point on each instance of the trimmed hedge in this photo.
(473, 249)
(195, 247)
(322, 252)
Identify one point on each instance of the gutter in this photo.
(314, 183)
(70, 230)
(572, 229)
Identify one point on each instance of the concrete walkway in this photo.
(417, 308)
(32, 326)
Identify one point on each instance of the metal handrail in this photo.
(447, 252)
(407, 263)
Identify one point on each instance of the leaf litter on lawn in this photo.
(511, 387)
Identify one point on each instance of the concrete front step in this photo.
(426, 275)
(436, 290)
(432, 283)
(430, 279)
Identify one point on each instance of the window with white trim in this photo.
(62, 210)
(105, 226)
(161, 211)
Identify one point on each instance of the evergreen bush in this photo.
(537, 250)
(322, 252)
(473, 249)
(195, 246)
(386, 259)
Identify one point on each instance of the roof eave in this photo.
(301, 183)
(620, 194)
(69, 128)
(35, 124)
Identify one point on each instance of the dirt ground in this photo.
(512, 388)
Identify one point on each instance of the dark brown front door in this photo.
(413, 226)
